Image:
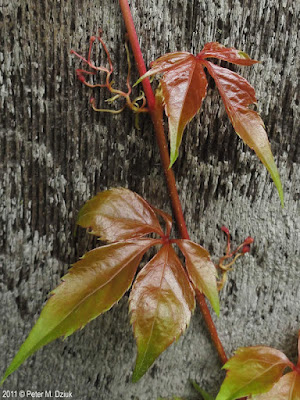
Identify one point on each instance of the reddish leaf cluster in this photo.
(184, 87)
(162, 297)
(231, 256)
(258, 372)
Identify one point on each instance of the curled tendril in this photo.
(231, 256)
(138, 105)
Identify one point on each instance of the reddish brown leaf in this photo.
(201, 270)
(161, 303)
(287, 388)
(232, 55)
(183, 88)
(237, 95)
(251, 371)
(92, 286)
(118, 214)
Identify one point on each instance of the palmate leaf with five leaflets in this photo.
(257, 371)
(184, 86)
(162, 298)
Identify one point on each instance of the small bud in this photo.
(92, 100)
(81, 78)
(246, 249)
(249, 240)
(225, 230)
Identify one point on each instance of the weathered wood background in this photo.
(56, 153)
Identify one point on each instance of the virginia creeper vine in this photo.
(163, 294)
(156, 113)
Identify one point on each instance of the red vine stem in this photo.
(156, 113)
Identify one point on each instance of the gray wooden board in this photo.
(56, 153)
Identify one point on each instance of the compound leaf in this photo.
(161, 302)
(92, 286)
(183, 88)
(237, 95)
(201, 270)
(251, 371)
(118, 214)
(287, 388)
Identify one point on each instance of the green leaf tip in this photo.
(26, 350)
(216, 306)
(143, 363)
(277, 182)
(243, 55)
(269, 163)
(137, 82)
(204, 394)
(136, 377)
(138, 374)
(141, 367)
(91, 287)
(141, 78)
(173, 157)
(280, 192)
(3, 379)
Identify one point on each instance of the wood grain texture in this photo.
(56, 153)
